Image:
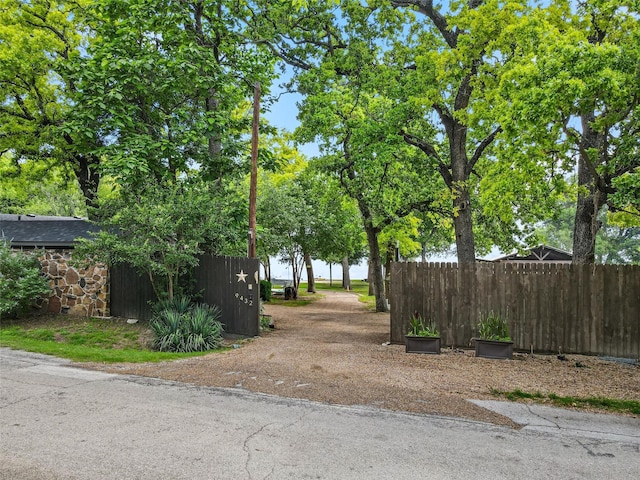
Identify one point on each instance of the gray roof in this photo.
(541, 253)
(34, 231)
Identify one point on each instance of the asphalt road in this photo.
(60, 422)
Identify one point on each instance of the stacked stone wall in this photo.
(75, 290)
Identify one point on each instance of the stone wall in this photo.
(75, 290)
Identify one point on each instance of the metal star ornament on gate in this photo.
(242, 277)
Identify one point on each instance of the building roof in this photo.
(541, 253)
(35, 231)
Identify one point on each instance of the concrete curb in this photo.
(555, 420)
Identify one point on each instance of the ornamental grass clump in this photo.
(493, 327)
(180, 325)
(419, 327)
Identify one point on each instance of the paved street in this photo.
(59, 422)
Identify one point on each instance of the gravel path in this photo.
(333, 351)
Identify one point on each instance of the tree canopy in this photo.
(38, 42)
(462, 123)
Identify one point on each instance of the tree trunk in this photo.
(294, 271)
(460, 172)
(346, 278)
(212, 97)
(212, 104)
(586, 224)
(463, 225)
(311, 282)
(376, 265)
(267, 269)
(370, 278)
(170, 287)
(590, 199)
(86, 170)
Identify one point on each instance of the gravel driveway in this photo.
(333, 351)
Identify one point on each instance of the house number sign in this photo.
(247, 298)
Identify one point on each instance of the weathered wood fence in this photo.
(231, 283)
(551, 307)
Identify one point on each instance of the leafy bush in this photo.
(265, 290)
(21, 281)
(182, 326)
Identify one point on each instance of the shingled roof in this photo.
(541, 253)
(35, 231)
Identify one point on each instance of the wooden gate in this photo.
(231, 283)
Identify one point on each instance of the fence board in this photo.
(130, 294)
(591, 309)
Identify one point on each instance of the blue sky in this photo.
(283, 114)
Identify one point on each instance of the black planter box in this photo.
(422, 344)
(494, 349)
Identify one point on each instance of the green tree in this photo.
(334, 231)
(374, 167)
(38, 39)
(167, 86)
(39, 187)
(617, 244)
(161, 229)
(434, 72)
(340, 236)
(285, 220)
(450, 69)
(574, 94)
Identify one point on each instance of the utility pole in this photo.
(251, 251)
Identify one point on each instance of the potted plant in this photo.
(493, 337)
(422, 337)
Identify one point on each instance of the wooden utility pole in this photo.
(251, 251)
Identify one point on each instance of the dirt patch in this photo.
(333, 351)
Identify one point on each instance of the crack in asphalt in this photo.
(247, 449)
(592, 453)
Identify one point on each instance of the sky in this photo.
(283, 114)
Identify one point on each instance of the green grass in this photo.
(359, 287)
(302, 300)
(608, 404)
(84, 339)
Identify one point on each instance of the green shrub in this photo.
(418, 327)
(493, 327)
(265, 290)
(21, 281)
(182, 326)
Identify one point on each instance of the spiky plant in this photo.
(493, 327)
(181, 326)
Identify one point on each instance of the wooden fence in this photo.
(551, 307)
(230, 283)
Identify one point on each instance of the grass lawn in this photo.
(108, 340)
(359, 287)
(113, 340)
